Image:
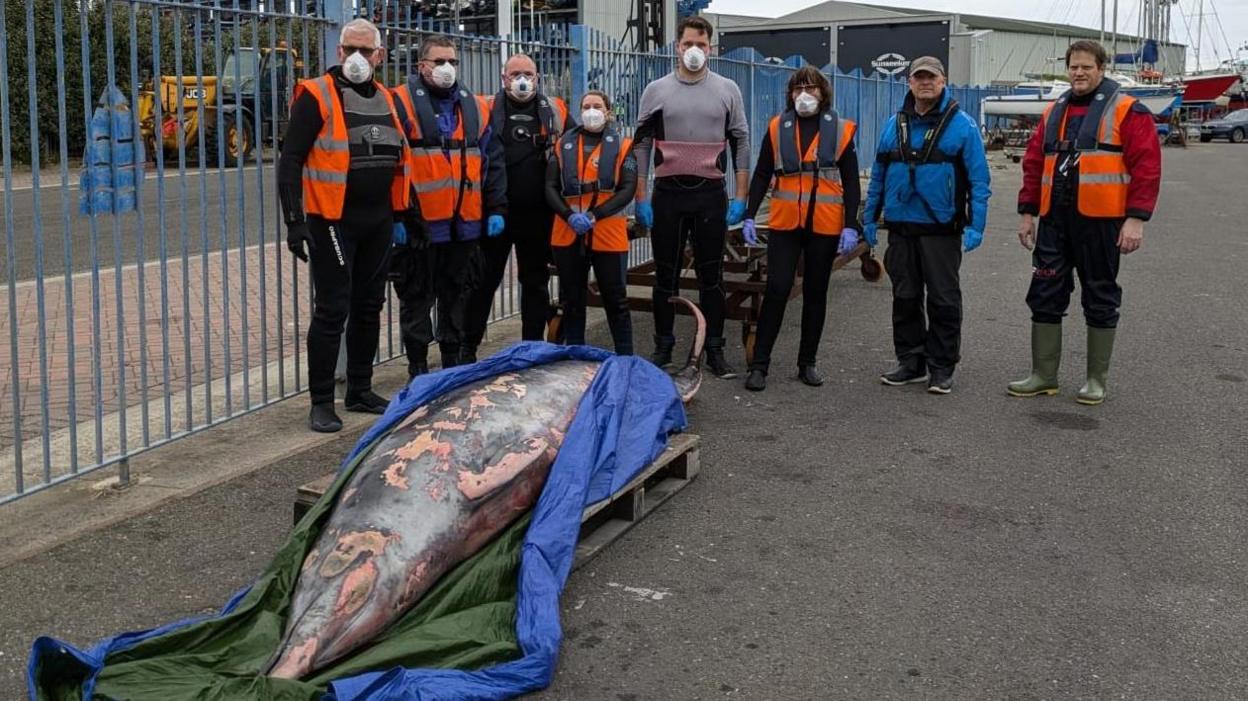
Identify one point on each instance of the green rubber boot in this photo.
(1046, 357)
(1100, 348)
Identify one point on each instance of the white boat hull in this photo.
(1034, 105)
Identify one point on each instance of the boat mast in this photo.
(1166, 35)
(1200, 30)
(1115, 27)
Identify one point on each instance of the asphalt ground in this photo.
(858, 541)
(206, 209)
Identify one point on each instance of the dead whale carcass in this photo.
(447, 480)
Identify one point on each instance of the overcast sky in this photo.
(1231, 18)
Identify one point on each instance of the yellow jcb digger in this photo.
(253, 89)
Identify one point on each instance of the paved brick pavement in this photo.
(217, 320)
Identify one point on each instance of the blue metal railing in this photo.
(137, 325)
(176, 318)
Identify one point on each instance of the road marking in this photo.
(55, 177)
(642, 593)
(59, 278)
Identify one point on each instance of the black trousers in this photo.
(445, 274)
(698, 216)
(1069, 244)
(817, 253)
(574, 263)
(925, 265)
(348, 262)
(528, 230)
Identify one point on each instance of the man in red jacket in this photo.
(1092, 173)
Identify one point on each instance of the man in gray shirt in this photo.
(693, 119)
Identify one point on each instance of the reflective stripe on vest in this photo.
(1102, 174)
(788, 196)
(325, 176)
(329, 159)
(814, 179)
(446, 171)
(609, 235)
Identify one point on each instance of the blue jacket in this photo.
(890, 192)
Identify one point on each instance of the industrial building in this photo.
(638, 24)
(977, 50)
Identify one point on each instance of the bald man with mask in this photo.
(528, 123)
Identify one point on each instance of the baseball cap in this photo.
(931, 64)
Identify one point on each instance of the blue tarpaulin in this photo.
(621, 425)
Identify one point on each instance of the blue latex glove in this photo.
(868, 233)
(580, 223)
(736, 212)
(645, 214)
(750, 232)
(399, 234)
(495, 224)
(849, 241)
(971, 239)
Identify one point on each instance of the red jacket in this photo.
(1141, 150)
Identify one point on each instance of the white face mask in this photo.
(806, 104)
(443, 76)
(593, 119)
(356, 68)
(694, 58)
(522, 89)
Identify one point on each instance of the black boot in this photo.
(809, 375)
(906, 373)
(716, 361)
(416, 369)
(322, 418)
(756, 381)
(450, 356)
(663, 346)
(468, 355)
(365, 401)
(417, 362)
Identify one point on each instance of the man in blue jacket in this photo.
(928, 193)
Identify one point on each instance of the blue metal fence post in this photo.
(338, 14)
(579, 36)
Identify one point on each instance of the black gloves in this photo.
(296, 234)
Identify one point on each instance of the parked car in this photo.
(1233, 126)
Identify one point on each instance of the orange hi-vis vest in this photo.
(1102, 170)
(586, 185)
(552, 113)
(446, 172)
(325, 171)
(812, 180)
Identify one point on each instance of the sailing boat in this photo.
(1202, 87)
(1030, 99)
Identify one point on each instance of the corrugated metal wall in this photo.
(611, 18)
(996, 57)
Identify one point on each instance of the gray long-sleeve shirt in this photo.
(692, 126)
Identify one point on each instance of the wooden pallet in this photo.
(604, 521)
